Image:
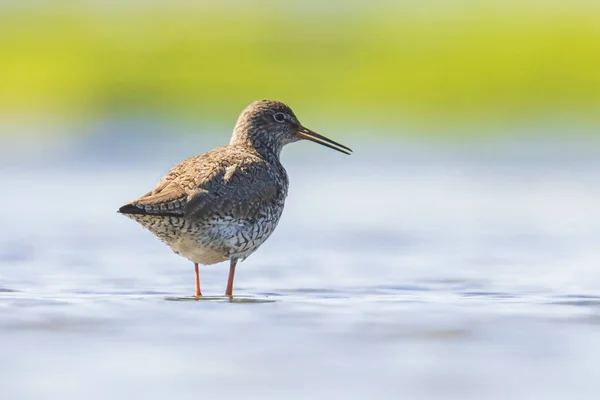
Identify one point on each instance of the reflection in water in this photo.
(222, 299)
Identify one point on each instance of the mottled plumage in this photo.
(223, 204)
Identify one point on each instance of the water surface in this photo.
(416, 272)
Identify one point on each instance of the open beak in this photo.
(307, 134)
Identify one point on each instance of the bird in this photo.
(224, 204)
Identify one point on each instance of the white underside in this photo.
(189, 247)
(219, 239)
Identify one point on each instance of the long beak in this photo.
(307, 134)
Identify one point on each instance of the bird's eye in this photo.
(279, 117)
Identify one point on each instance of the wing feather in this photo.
(222, 182)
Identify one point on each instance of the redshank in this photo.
(223, 204)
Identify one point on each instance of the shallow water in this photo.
(420, 272)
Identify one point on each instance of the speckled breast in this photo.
(214, 238)
(238, 238)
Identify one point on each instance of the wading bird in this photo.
(223, 204)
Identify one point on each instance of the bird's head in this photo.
(272, 124)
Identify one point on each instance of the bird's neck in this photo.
(265, 145)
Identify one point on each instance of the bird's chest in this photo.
(240, 237)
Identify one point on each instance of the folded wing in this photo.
(237, 185)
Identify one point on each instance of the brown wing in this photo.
(239, 191)
(221, 182)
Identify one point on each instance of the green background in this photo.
(428, 65)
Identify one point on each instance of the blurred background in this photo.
(453, 255)
(390, 66)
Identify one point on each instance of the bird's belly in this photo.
(196, 250)
(213, 239)
(183, 237)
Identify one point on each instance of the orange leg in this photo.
(198, 292)
(229, 290)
